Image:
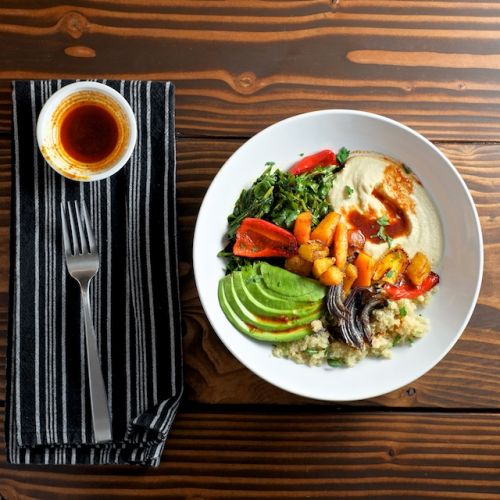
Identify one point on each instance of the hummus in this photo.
(379, 197)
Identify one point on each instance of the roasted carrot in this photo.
(365, 266)
(302, 227)
(340, 245)
(325, 230)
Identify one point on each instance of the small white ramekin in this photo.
(52, 150)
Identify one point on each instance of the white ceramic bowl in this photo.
(460, 271)
(47, 134)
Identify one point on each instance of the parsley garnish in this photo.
(348, 190)
(402, 311)
(269, 164)
(342, 155)
(335, 362)
(384, 237)
(396, 340)
(311, 352)
(383, 222)
(301, 154)
(389, 273)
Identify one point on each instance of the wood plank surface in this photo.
(241, 65)
(469, 376)
(293, 454)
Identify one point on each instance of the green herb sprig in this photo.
(381, 234)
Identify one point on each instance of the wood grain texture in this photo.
(468, 377)
(282, 455)
(241, 65)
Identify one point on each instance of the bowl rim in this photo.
(478, 233)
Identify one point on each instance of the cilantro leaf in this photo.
(384, 237)
(383, 221)
(348, 190)
(402, 311)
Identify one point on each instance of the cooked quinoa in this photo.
(398, 323)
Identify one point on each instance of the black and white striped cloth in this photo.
(134, 296)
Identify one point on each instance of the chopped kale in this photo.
(280, 197)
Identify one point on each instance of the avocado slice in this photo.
(252, 292)
(272, 324)
(289, 284)
(256, 333)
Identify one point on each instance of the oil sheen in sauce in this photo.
(88, 132)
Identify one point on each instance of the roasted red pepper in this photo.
(308, 163)
(407, 290)
(259, 238)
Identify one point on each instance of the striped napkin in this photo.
(134, 296)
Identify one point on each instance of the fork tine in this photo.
(67, 244)
(74, 236)
(80, 229)
(88, 226)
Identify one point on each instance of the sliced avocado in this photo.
(249, 293)
(233, 318)
(290, 284)
(256, 333)
(271, 324)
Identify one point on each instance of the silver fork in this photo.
(82, 262)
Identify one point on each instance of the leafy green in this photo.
(335, 362)
(280, 197)
(396, 340)
(381, 234)
(402, 311)
(233, 262)
(383, 221)
(342, 155)
(312, 352)
(348, 190)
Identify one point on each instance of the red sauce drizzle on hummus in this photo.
(399, 223)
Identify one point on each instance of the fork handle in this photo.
(101, 421)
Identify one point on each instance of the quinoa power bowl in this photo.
(332, 260)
